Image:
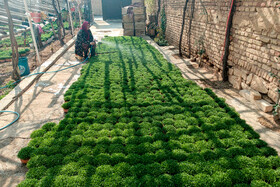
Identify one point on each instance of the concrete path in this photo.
(41, 103)
(204, 78)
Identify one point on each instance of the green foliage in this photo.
(36, 173)
(6, 53)
(163, 21)
(66, 105)
(151, 128)
(25, 153)
(28, 183)
(160, 39)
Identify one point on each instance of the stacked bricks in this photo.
(134, 24)
(254, 41)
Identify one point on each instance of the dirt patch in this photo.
(6, 68)
(270, 123)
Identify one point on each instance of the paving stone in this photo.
(264, 105)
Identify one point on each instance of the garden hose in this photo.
(18, 115)
(12, 121)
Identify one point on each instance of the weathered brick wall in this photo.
(255, 38)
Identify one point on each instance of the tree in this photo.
(158, 11)
(55, 3)
(14, 45)
(182, 29)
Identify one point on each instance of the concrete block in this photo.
(127, 19)
(128, 32)
(139, 18)
(138, 1)
(264, 105)
(139, 10)
(140, 25)
(128, 26)
(250, 95)
(254, 95)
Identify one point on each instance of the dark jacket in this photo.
(82, 38)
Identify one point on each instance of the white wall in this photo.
(97, 7)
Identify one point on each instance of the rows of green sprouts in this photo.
(133, 120)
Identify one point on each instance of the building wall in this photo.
(97, 7)
(255, 38)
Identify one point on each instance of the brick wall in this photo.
(255, 38)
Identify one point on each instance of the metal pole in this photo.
(70, 14)
(32, 32)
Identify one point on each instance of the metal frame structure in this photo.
(20, 11)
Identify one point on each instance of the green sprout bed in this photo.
(48, 33)
(135, 121)
(7, 53)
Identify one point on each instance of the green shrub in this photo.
(35, 143)
(113, 180)
(148, 180)
(67, 105)
(202, 179)
(46, 181)
(36, 173)
(221, 179)
(138, 170)
(118, 140)
(25, 153)
(179, 154)
(170, 166)
(148, 158)
(48, 126)
(37, 133)
(154, 169)
(97, 180)
(131, 182)
(104, 170)
(117, 158)
(102, 159)
(259, 183)
(70, 169)
(28, 183)
(64, 180)
(76, 140)
(122, 169)
(37, 161)
(183, 179)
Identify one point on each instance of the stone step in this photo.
(255, 97)
(264, 105)
(250, 95)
